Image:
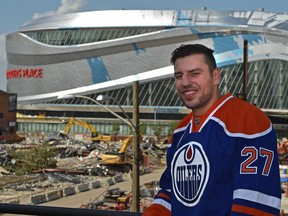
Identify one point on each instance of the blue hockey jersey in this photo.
(222, 163)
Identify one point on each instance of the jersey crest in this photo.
(190, 173)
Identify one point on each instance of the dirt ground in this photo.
(22, 187)
(10, 180)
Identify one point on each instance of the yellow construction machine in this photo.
(95, 135)
(120, 160)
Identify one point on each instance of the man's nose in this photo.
(186, 80)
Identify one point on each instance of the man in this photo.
(222, 159)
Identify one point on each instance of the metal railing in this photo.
(52, 211)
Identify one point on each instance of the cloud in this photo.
(67, 6)
(3, 81)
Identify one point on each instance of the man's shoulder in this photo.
(240, 116)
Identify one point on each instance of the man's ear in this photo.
(217, 76)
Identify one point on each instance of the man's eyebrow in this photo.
(191, 70)
(177, 73)
(195, 70)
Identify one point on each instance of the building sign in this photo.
(25, 73)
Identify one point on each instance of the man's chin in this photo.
(190, 106)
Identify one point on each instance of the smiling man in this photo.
(222, 157)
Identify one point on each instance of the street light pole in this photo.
(136, 144)
(95, 101)
(136, 138)
(107, 98)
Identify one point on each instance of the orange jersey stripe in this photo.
(249, 211)
(163, 195)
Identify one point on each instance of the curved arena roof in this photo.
(93, 52)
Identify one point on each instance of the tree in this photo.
(157, 128)
(37, 158)
(143, 128)
(172, 127)
(115, 129)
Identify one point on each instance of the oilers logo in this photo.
(190, 173)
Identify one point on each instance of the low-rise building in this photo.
(8, 123)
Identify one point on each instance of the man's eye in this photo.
(195, 73)
(176, 75)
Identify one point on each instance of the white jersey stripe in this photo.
(212, 113)
(248, 136)
(163, 203)
(258, 197)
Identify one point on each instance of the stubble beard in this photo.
(201, 102)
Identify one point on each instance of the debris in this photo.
(75, 162)
(3, 171)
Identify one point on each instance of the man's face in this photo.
(196, 86)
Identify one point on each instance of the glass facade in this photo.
(267, 88)
(67, 37)
(266, 83)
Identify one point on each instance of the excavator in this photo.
(122, 159)
(95, 135)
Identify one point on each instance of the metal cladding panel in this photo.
(153, 18)
(77, 74)
(79, 66)
(88, 66)
(103, 19)
(55, 77)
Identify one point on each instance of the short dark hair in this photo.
(191, 49)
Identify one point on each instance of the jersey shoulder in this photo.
(239, 116)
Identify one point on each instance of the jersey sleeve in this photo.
(253, 143)
(156, 210)
(257, 189)
(161, 205)
(162, 198)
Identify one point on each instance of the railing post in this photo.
(136, 147)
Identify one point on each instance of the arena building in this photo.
(104, 52)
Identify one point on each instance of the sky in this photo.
(15, 13)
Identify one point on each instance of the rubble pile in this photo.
(77, 162)
(283, 151)
(113, 199)
(117, 199)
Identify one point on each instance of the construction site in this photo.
(73, 157)
(43, 168)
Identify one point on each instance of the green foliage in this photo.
(157, 128)
(115, 128)
(143, 128)
(29, 160)
(172, 127)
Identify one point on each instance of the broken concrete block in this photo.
(118, 178)
(111, 181)
(96, 184)
(39, 198)
(83, 187)
(69, 191)
(53, 195)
